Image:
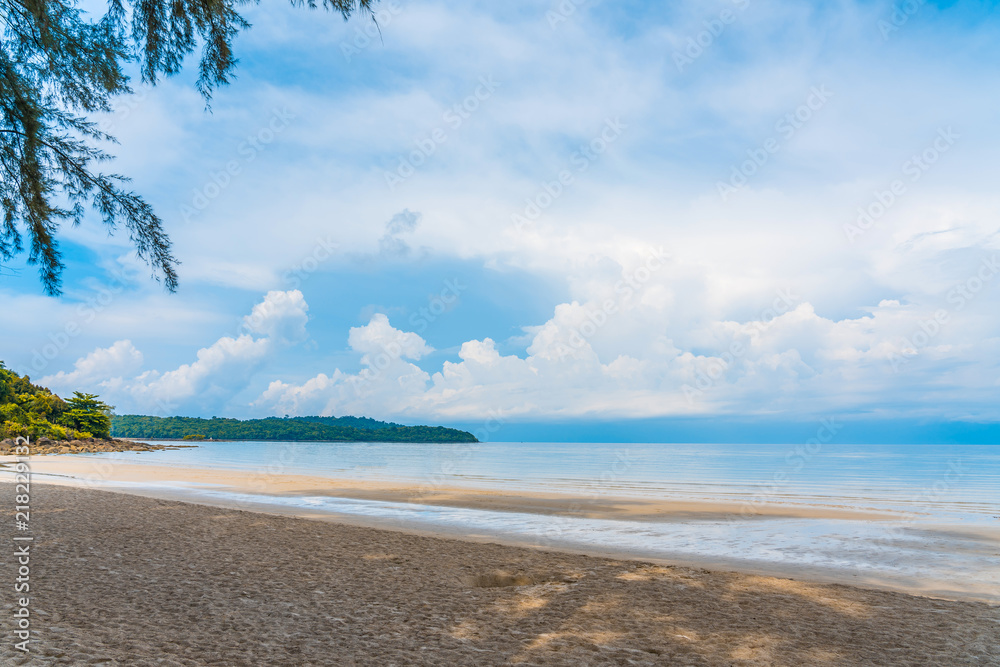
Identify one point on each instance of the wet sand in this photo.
(100, 470)
(926, 561)
(128, 580)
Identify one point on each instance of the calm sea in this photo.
(954, 478)
(944, 539)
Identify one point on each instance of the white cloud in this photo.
(378, 339)
(387, 376)
(857, 302)
(281, 316)
(622, 354)
(219, 373)
(122, 358)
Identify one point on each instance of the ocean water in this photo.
(945, 479)
(944, 536)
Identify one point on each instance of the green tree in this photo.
(87, 413)
(47, 406)
(7, 380)
(316, 429)
(59, 64)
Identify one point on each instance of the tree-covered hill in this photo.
(331, 429)
(366, 423)
(27, 410)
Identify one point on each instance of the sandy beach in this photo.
(653, 529)
(128, 580)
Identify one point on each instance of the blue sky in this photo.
(629, 220)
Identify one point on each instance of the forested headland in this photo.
(30, 411)
(311, 429)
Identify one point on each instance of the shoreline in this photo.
(122, 579)
(244, 490)
(604, 506)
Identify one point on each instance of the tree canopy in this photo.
(27, 410)
(87, 413)
(58, 66)
(328, 429)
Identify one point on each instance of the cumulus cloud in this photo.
(631, 351)
(379, 339)
(863, 328)
(219, 372)
(387, 376)
(121, 358)
(281, 316)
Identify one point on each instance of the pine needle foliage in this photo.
(58, 66)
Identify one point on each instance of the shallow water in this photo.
(945, 480)
(945, 499)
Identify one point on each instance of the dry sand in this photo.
(127, 580)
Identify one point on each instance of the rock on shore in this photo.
(88, 445)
